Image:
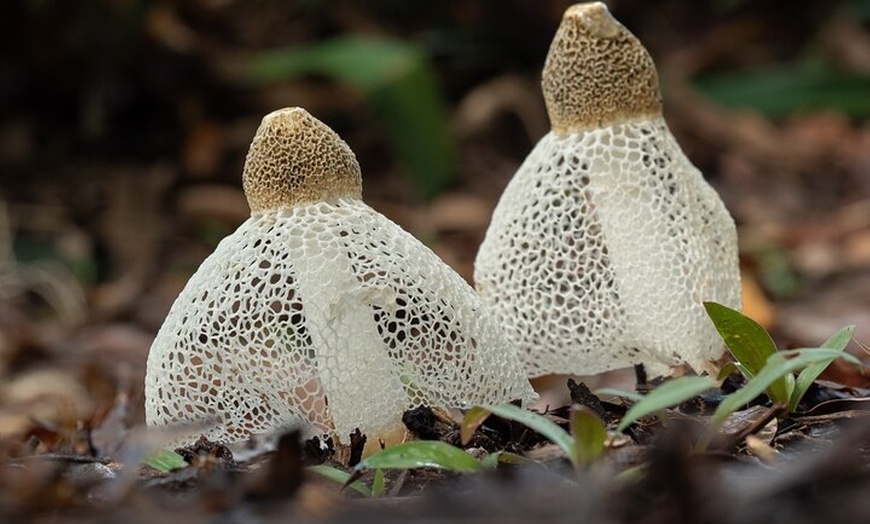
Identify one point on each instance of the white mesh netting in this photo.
(601, 251)
(330, 317)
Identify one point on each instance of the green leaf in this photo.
(778, 365)
(422, 454)
(812, 355)
(750, 344)
(341, 477)
(791, 88)
(397, 80)
(805, 379)
(634, 396)
(470, 422)
(726, 371)
(492, 460)
(589, 434)
(378, 485)
(539, 423)
(666, 395)
(166, 461)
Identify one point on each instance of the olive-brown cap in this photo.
(597, 72)
(297, 159)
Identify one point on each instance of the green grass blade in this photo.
(589, 434)
(812, 355)
(471, 421)
(668, 394)
(378, 484)
(778, 365)
(492, 460)
(805, 379)
(341, 477)
(633, 396)
(422, 454)
(539, 423)
(726, 371)
(750, 344)
(165, 461)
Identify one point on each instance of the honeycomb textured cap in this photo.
(296, 159)
(602, 250)
(597, 73)
(329, 317)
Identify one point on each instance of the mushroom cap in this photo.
(597, 72)
(297, 159)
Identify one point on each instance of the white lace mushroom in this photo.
(320, 312)
(607, 240)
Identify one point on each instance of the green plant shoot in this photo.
(666, 395)
(751, 346)
(766, 368)
(165, 461)
(341, 477)
(422, 454)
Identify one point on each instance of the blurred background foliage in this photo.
(125, 123)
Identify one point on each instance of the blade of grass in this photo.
(165, 461)
(805, 379)
(341, 477)
(492, 460)
(668, 394)
(778, 365)
(471, 421)
(634, 396)
(589, 434)
(539, 423)
(726, 371)
(378, 484)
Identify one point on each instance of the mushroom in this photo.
(607, 241)
(320, 312)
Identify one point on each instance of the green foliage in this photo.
(343, 477)
(378, 484)
(751, 346)
(633, 396)
(165, 461)
(780, 364)
(422, 454)
(669, 394)
(474, 417)
(766, 369)
(589, 432)
(539, 423)
(492, 460)
(792, 88)
(398, 82)
(805, 379)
